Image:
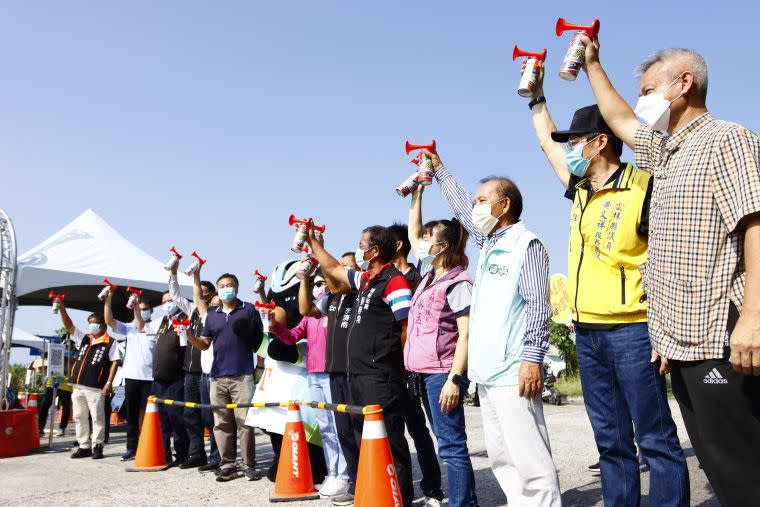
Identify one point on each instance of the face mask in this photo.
(360, 259)
(145, 314)
(93, 328)
(319, 292)
(423, 251)
(170, 308)
(654, 109)
(576, 164)
(227, 294)
(483, 219)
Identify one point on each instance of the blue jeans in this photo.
(319, 387)
(208, 419)
(622, 389)
(450, 431)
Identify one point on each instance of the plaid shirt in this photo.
(706, 180)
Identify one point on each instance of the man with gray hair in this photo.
(702, 278)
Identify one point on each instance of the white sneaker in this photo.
(335, 487)
(60, 433)
(325, 484)
(432, 502)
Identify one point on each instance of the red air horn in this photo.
(57, 298)
(197, 263)
(576, 52)
(413, 147)
(108, 288)
(258, 283)
(265, 309)
(173, 259)
(302, 228)
(134, 294)
(530, 75)
(319, 230)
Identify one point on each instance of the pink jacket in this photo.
(315, 331)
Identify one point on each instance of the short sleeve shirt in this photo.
(397, 295)
(458, 295)
(706, 180)
(137, 363)
(233, 355)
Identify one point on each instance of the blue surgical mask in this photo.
(360, 259)
(93, 328)
(145, 314)
(170, 308)
(576, 164)
(227, 294)
(422, 252)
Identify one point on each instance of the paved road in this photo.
(54, 479)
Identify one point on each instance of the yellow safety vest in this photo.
(605, 251)
(63, 386)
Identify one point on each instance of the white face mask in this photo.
(483, 219)
(170, 308)
(360, 259)
(654, 109)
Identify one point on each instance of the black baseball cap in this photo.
(588, 120)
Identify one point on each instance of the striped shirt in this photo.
(397, 294)
(534, 277)
(706, 180)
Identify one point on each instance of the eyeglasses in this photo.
(581, 140)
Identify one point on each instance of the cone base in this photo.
(157, 468)
(287, 497)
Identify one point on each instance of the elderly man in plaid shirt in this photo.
(703, 273)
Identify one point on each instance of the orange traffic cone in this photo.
(376, 481)
(294, 480)
(23, 398)
(35, 428)
(150, 455)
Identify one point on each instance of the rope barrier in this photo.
(349, 409)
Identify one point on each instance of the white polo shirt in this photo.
(138, 355)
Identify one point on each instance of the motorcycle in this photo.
(550, 393)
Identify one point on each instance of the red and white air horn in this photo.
(302, 232)
(109, 288)
(57, 298)
(173, 259)
(197, 263)
(530, 75)
(576, 51)
(258, 282)
(134, 296)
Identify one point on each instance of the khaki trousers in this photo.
(88, 403)
(225, 390)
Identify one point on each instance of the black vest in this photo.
(92, 365)
(168, 356)
(338, 318)
(192, 362)
(374, 336)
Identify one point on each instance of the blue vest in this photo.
(497, 311)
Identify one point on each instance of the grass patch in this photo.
(571, 386)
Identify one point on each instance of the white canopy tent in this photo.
(75, 260)
(26, 339)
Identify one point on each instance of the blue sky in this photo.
(205, 124)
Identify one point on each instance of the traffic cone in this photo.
(23, 398)
(35, 428)
(294, 480)
(150, 455)
(376, 481)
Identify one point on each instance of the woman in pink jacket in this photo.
(436, 341)
(314, 330)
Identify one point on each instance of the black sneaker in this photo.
(594, 469)
(173, 463)
(128, 456)
(194, 462)
(81, 453)
(97, 452)
(210, 467)
(227, 474)
(252, 474)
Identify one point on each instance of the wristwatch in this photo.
(536, 101)
(457, 379)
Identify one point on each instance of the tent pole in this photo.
(8, 275)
